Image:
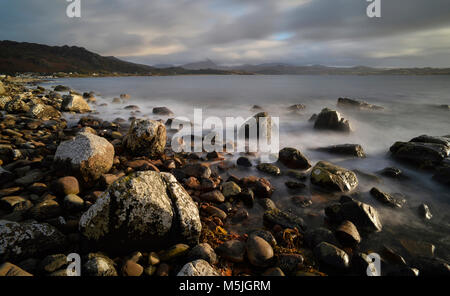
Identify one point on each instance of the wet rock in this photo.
(75, 103)
(247, 196)
(44, 112)
(391, 256)
(46, 210)
(203, 251)
(131, 268)
(331, 255)
(139, 211)
(145, 138)
(61, 88)
(391, 172)
(294, 185)
(418, 153)
(355, 104)
(284, 219)
(198, 170)
(244, 161)
(260, 186)
(274, 271)
(30, 178)
(345, 149)
(331, 120)
(364, 216)
(387, 199)
(425, 212)
(266, 235)
(116, 101)
(301, 201)
(363, 265)
(213, 196)
(301, 176)
(162, 111)
(267, 204)
(289, 262)
(293, 158)
(16, 106)
(259, 251)
(15, 203)
(73, 202)
(333, 177)
(25, 240)
(86, 155)
(313, 237)
(232, 250)
(141, 165)
(52, 263)
(9, 269)
(348, 234)
(239, 216)
(198, 268)
(66, 185)
(296, 108)
(215, 212)
(418, 248)
(230, 189)
(432, 140)
(269, 169)
(98, 265)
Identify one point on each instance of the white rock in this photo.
(198, 268)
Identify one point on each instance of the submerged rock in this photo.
(269, 169)
(143, 210)
(345, 149)
(87, 155)
(387, 199)
(364, 216)
(145, 138)
(333, 177)
(293, 159)
(355, 104)
(331, 120)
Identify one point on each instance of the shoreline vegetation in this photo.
(116, 194)
(30, 59)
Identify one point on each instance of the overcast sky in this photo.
(410, 33)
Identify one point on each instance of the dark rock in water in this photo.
(203, 251)
(140, 211)
(256, 107)
(145, 138)
(331, 255)
(244, 161)
(297, 175)
(162, 111)
(15, 204)
(98, 265)
(269, 169)
(355, 104)
(345, 149)
(293, 158)
(443, 175)
(445, 107)
(422, 154)
(9, 269)
(198, 268)
(296, 108)
(391, 172)
(331, 120)
(259, 251)
(347, 234)
(247, 196)
(284, 219)
(198, 170)
(418, 248)
(391, 256)
(313, 118)
(213, 196)
(215, 212)
(364, 216)
(260, 186)
(332, 177)
(432, 266)
(289, 262)
(233, 250)
(273, 271)
(315, 236)
(425, 212)
(73, 203)
(387, 199)
(239, 216)
(432, 140)
(294, 185)
(251, 129)
(25, 240)
(61, 88)
(267, 204)
(266, 235)
(301, 201)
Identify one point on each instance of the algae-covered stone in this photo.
(87, 155)
(142, 210)
(333, 177)
(145, 138)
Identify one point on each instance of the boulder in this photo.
(244, 161)
(421, 154)
(284, 219)
(75, 103)
(387, 199)
(233, 250)
(355, 104)
(44, 112)
(364, 216)
(25, 240)
(260, 186)
(61, 88)
(331, 120)
(230, 189)
(17, 105)
(203, 251)
(87, 155)
(293, 159)
(331, 255)
(333, 177)
(345, 149)
(162, 111)
(98, 265)
(269, 168)
(145, 138)
(259, 251)
(348, 234)
(143, 210)
(198, 268)
(313, 237)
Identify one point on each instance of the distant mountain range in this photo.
(22, 57)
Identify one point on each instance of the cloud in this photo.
(334, 32)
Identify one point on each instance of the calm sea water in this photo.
(410, 110)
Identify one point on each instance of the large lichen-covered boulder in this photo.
(24, 240)
(75, 103)
(331, 120)
(44, 112)
(87, 155)
(333, 177)
(293, 158)
(145, 138)
(146, 209)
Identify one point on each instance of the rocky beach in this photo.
(114, 192)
